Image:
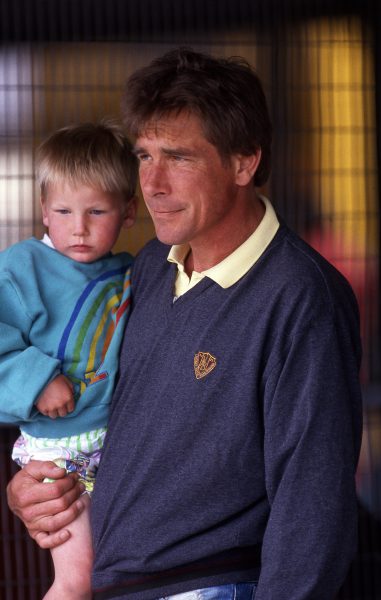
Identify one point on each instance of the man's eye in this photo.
(143, 157)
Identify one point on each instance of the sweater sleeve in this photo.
(24, 369)
(312, 419)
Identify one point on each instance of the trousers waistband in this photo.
(238, 559)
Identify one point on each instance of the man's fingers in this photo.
(26, 486)
(39, 470)
(50, 530)
(37, 503)
(29, 490)
(51, 515)
(51, 540)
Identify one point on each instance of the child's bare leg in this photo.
(73, 561)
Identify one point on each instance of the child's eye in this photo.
(62, 211)
(97, 211)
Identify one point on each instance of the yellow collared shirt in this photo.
(234, 266)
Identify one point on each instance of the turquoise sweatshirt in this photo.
(59, 316)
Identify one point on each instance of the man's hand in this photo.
(57, 398)
(45, 508)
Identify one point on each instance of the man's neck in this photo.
(205, 256)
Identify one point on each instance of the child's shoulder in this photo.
(123, 257)
(19, 250)
(121, 261)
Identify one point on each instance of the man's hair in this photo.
(226, 95)
(98, 155)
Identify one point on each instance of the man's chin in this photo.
(169, 238)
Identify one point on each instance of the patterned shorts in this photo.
(77, 453)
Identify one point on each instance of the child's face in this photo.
(83, 222)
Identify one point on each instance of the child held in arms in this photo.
(64, 301)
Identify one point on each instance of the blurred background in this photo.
(64, 61)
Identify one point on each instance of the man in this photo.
(228, 469)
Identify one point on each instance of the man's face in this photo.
(188, 189)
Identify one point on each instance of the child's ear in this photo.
(45, 217)
(130, 213)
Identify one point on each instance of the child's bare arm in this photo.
(57, 398)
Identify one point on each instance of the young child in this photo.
(63, 305)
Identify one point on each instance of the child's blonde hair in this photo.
(98, 155)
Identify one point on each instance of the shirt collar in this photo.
(238, 263)
(46, 240)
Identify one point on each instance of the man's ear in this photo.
(45, 217)
(130, 213)
(246, 167)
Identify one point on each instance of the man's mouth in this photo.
(160, 211)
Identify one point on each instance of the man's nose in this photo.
(154, 180)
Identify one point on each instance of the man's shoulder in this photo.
(155, 248)
(295, 256)
(150, 267)
(152, 255)
(299, 268)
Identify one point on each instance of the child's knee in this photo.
(75, 586)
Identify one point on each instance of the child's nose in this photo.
(80, 225)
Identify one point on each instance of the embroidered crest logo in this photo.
(203, 363)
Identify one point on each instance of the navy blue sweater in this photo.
(235, 427)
